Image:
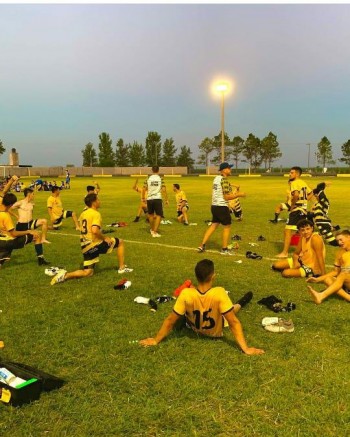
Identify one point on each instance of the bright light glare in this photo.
(222, 85)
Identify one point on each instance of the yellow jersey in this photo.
(204, 311)
(89, 218)
(56, 206)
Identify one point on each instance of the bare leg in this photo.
(74, 217)
(156, 223)
(209, 232)
(287, 238)
(120, 254)
(79, 274)
(226, 235)
(44, 227)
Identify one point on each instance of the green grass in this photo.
(84, 330)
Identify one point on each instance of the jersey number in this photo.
(201, 320)
(84, 230)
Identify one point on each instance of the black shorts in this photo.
(7, 246)
(27, 226)
(91, 257)
(155, 206)
(221, 214)
(293, 219)
(57, 223)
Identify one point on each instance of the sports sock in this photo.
(38, 249)
(244, 300)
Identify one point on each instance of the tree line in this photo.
(154, 152)
(252, 150)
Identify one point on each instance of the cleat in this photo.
(59, 277)
(137, 219)
(281, 326)
(253, 255)
(42, 261)
(156, 235)
(52, 271)
(236, 238)
(201, 249)
(261, 238)
(125, 269)
(273, 221)
(225, 252)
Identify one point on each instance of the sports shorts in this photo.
(7, 246)
(27, 226)
(91, 257)
(293, 219)
(57, 223)
(221, 214)
(155, 206)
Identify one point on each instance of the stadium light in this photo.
(222, 88)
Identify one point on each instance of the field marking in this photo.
(170, 246)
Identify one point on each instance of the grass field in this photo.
(84, 331)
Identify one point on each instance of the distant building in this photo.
(14, 158)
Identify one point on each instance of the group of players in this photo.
(205, 305)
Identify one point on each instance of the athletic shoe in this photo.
(273, 221)
(281, 326)
(243, 301)
(156, 235)
(236, 238)
(269, 321)
(225, 252)
(253, 255)
(137, 219)
(125, 269)
(52, 271)
(42, 261)
(59, 277)
(186, 223)
(261, 238)
(201, 249)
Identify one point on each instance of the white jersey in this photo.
(221, 186)
(154, 185)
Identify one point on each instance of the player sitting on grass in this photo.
(204, 309)
(309, 256)
(93, 243)
(338, 280)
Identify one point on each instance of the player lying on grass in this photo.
(204, 309)
(338, 280)
(309, 256)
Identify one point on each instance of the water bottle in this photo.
(6, 375)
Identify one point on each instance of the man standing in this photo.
(56, 211)
(300, 193)
(93, 243)
(155, 188)
(222, 193)
(11, 239)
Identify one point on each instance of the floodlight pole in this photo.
(308, 157)
(222, 126)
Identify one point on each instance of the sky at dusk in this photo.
(70, 72)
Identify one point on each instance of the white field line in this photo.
(170, 246)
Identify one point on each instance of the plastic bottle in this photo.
(6, 375)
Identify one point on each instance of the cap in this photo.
(224, 165)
